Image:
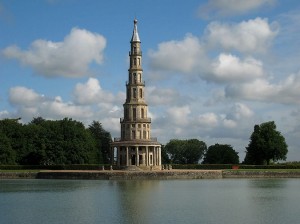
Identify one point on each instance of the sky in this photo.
(213, 69)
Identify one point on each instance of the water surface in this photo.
(150, 201)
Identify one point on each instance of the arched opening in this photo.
(142, 113)
(141, 93)
(133, 159)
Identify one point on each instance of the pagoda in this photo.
(136, 149)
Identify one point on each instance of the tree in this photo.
(14, 131)
(266, 144)
(7, 154)
(221, 154)
(47, 142)
(35, 145)
(185, 151)
(103, 140)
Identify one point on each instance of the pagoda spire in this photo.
(135, 34)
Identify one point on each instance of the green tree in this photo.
(35, 145)
(7, 154)
(77, 143)
(266, 144)
(185, 151)
(63, 141)
(14, 131)
(221, 154)
(103, 140)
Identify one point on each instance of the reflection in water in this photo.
(34, 186)
(268, 183)
(271, 200)
(134, 197)
(231, 201)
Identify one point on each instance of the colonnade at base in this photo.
(137, 155)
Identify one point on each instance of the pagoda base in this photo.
(134, 155)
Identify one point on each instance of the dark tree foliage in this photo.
(46, 142)
(14, 131)
(103, 140)
(7, 155)
(185, 151)
(164, 156)
(266, 144)
(221, 154)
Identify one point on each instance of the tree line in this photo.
(266, 145)
(66, 141)
(48, 142)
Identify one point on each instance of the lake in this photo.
(150, 201)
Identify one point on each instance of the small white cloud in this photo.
(91, 93)
(252, 36)
(179, 56)
(230, 68)
(4, 114)
(23, 96)
(179, 115)
(61, 109)
(69, 58)
(222, 8)
(208, 120)
(229, 123)
(240, 111)
(158, 96)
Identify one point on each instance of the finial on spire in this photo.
(135, 35)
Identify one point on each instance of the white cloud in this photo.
(91, 93)
(229, 123)
(259, 89)
(31, 104)
(230, 68)
(252, 36)
(4, 114)
(208, 120)
(99, 105)
(69, 58)
(159, 96)
(285, 92)
(23, 96)
(221, 8)
(179, 56)
(190, 56)
(179, 115)
(240, 111)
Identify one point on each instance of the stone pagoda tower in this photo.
(136, 148)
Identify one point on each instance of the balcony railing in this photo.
(153, 139)
(138, 53)
(138, 120)
(136, 83)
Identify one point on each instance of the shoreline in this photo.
(147, 175)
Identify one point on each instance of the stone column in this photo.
(147, 156)
(159, 155)
(157, 152)
(127, 159)
(118, 155)
(137, 159)
(144, 159)
(154, 155)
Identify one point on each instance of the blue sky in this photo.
(213, 69)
